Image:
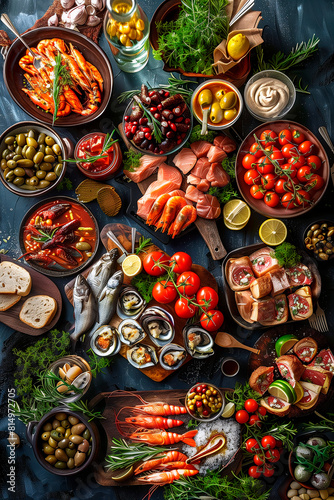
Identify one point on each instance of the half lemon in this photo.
(273, 232)
(236, 213)
(132, 265)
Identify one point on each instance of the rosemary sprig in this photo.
(44, 235)
(56, 86)
(298, 54)
(83, 408)
(176, 86)
(156, 132)
(127, 94)
(108, 142)
(321, 454)
(144, 243)
(123, 454)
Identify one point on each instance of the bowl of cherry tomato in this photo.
(282, 170)
(205, 402)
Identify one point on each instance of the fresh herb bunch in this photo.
(145, 283)
(61, 77)
(189, 41)
(176, 86)
(66, 183)
(144, 244)
(193, 424)
(97, 363)
(131, 160)
(82, 407)
(321, 454)
(241, 393)
(224, 194)
(287, 255)
(214, 486)
(272, 427)
(123, 454)
(108, 142)
(197, 136)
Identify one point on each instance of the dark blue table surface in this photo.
(285, 24)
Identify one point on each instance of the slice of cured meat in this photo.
(201, 168)
(290, 367)
(264, 311)
(185, 160)
(226, 143)
(324, 359)
(216, 154)
(261, 378)
(200, 148)
(318, 376)
(310, 397)
(244, 301)
(299, 275)
(306, 349)
(239, 274)
(147, 165)
(208, 206)
(217, 175)
(300, 303)
(279, 280)
(192, 193)
(275, 405)
(263, 261)
(261, 286)
(281, 311)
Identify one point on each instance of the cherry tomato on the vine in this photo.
(255, 150)
(304, 174)
(315, 183)
(257, 192)
(298, 161)
(290, 169)
(271, 199)
(181, 262)
(242, 416)
(188, 283)
(153, 261)
(264, 165)
(268, 442)
(259, 459)
(278, 157)
(290, 150)
(252, 446)
(255, 471)
(207, 298)
(184, 309)
(268, 470)
(255, 420)
(268, 181)
(252, 176)
(262, 411)
(211, 320)
(285, 136)
(314, 162)
(164, 292)
(288, 201)
(297, 136)
(281, 186)
(251, 405)
(306, 148)
(303, 198)
(272, 455)
(248, 161)
(268, 137)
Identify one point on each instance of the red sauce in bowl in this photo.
(103, 168)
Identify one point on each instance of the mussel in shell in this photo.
(159, 325)
(130, 303)
(198, 342)
(172, 356)
(131, 332)
(105, 341)
(142, 356)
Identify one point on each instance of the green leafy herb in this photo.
(83, 408)
(241, 393)
(127, 94)
(323, 426)
(176, 86)
(31, 411)
(108, 142)
(56, 86)
(145, 283)
(66, 183)
(321, 454)
(225, 193)
(189, 41)
(228, 165)
(144, 244)
(197, 136)
(287, 255)
(123, 454)
(193, 424)
(131, 160)
(97, 363)
(300, 88)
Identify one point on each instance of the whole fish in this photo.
(107, 300)
(101, 271)
(85, 308)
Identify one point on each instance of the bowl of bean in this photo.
(64, 442)
(32, 158)
(319, 240)
(156, 122)
(205, 402)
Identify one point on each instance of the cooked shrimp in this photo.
(157, 209)
(171, 209)
(170, 456)
(167, 477)
(153, 422)
(185, 217)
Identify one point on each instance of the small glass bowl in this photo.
(224, 369)
(209, 83)
(277, 75)
(214, 416)
(73, 360)
(107, 172)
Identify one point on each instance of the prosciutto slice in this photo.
(263, 261)
(264, 311)
(290, 368)
(299, 275)
(239, 273)
(244, 301)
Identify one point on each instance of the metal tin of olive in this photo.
(325, 243)
(23, 128)
(53, 272)
(34, 431)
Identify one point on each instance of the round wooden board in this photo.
(41, 285)
(267, 357)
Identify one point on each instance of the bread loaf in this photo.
(38, 311)
(14, 279)
(8, 300)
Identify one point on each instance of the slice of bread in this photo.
(7, 300)
(38, 311)
(14, 279)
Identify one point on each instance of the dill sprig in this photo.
(131, 160)
(123, 454)
(97, 363)
(156, 132)
(144, 244)
(108, 142)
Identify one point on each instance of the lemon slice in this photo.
(273, 232)
(228, 410)
(236, 212)
(132, 265)
(233, 226)
(124, 475)
(299, 391)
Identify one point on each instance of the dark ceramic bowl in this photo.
(22, 127)
(279, 212)
(13, 74)
(58, 273)
(35, 429)
(311, 252)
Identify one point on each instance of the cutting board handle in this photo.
(96, 399)
(211, 236)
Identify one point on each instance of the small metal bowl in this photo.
(72, 360)
(215, 415)
(311, 252)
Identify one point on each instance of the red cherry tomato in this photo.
(290, 150)
(268, 137)
(188, 282)
(290, 169)
(272, 455)
(164, 292)
(303, 198)
(257, 192)
(271, 199)
(314, 162)
(285, 136)
(153, 260)
(298, 161)
(207, 298)
(252, 446)
(288, 201)
(268, 442)
(262, 411)
(242, 416)
(251, 405)
(264, 166)
(255, 471)
(259, 459)
(184, 309)
(281, 186)
(212, 320)
(315, 183)
(256, 150)
(271, 149)
(268, 470)
(278, 157)
(181, 262)
(306, 148)
(268, 181)
(255, 420)
(248, 161)
(304, 174)
(297, 136)
(279, 443)
(252, 176)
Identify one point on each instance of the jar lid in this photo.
(121, 16)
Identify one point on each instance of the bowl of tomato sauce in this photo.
(94, 145)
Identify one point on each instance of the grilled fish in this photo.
(107, 300)
(101, 271)
(85, 308)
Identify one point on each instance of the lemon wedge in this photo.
(228, 410)
(123, 476)
(299, 391)
(273, 232)
(132, 265)
(236, 213)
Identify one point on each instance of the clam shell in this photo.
(115, 346)
(88, 189)
(109, 201)
(82, 380)
(151, 351)
(158, 311)
(136, 325)
(205, 348)
(164, 338)
(165, 350)
(136, 311)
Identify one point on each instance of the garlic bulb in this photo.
(98, 4)
(93, 21)
(67, 4)
(90, 10)
(53, 20)
(77, 15)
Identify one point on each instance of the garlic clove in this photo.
(98, 4)
(77, 15)
(93, 21)
(67, 4)
(64, 17)
(91, 11)
(53, 20)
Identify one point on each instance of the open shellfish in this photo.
(158, 326)
(130, 303)
(131, 332)
(105, 341)
(142, 356)
(172, 356)
(198, 342)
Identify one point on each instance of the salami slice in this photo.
(299, 275)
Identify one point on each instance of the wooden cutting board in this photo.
(206, 227)
(123, 232)
(41, 285)
(115, 402)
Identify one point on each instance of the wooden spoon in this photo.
(226, 340)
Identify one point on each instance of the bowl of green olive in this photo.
(64, 442)
(32, 158)
(205, 402)
(319, 240)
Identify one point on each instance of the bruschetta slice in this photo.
(275, 405)
(311, 395)
(263, 261)
(318, 377)
(300, 303)
(261, 379)
(306, 349)
(299, 275)
(324, 359)
(261, 286)
(244, 301)
(239, 273)
(281, 311)
(279, 281)
(290, 367)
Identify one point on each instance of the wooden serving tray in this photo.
(41, 285)
(118, 400)
(229, 293)
(123, 232)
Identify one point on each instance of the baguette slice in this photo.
(14, 279)
(8, 300)
(261, 286)
(38, 311)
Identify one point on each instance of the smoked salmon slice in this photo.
(200, 148)
(185, 160)
(217, 175)
(226, 143)
(168, 173)
(147, 165)
(201, 168)
(193, 193)
(216, 154)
